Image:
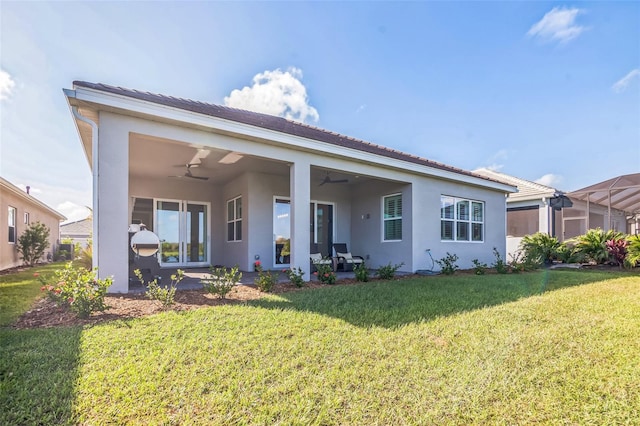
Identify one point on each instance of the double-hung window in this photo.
(234, 219)
(392, 217)
(12, 225)
(461, 219)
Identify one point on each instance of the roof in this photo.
(79, 227)
(8, 186)
(274, 123)
(620, 193)
(527, 190)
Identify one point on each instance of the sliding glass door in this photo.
(321, 227)
(182, 227)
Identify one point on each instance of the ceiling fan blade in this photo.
(339, 181)
(197, 177)
(188, 165)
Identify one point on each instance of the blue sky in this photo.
(546, 91)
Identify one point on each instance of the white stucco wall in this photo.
(358, 207)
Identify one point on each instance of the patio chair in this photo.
(317, 259)
(345, 260)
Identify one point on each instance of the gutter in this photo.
(94, 167)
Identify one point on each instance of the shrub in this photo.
(221, 282)
(633, 251)
(325, 273)
(540, 248)
(448, 264)
(499, 265)
(592, 245)
(62, 255)
(388, 271)
(84, 257)
(478, 267)
(617, 250)
(362, 273)
(33, 242)
(296, 276)
(78, 289)
(265, 280)
(164, 295)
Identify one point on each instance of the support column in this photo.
(113, 207)
(300, 188)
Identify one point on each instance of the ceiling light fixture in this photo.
(230, 158)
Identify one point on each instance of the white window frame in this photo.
(236, 220)
(12, 213)
(386, 219)
(458, 218)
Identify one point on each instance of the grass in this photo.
(18, 291)
(556, 347)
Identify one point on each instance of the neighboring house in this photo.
(79, 231)
(17, 210)
(540, 208)
(221, 186)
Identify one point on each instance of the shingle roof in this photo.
(79, 227)
(526, 188)
(274, 123)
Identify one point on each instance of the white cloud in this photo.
(6, 85)
(275, 93)
(549, 180)
(495, 161)
(558, 25)
(72, 211)
(622, 84)
(361, 108)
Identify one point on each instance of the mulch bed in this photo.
(46, 313)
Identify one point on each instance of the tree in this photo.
(33, 242)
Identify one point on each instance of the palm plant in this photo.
(593, 244)
(633, 251)
(540, 248)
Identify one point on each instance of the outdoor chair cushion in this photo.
(318, 259)
(348, 257)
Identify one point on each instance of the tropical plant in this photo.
(33, 242)
(265, 280)
(325, 273)
(633, 251)
(76, 288)
(296, 276)
(388, 271)
(448, 264)
(164, 295)
(617, 250)
(499, 265)
(479, 267)
(540, 248)
(221, 282)
(361, 272)
(592, 245)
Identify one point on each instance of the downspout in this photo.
(94, 167)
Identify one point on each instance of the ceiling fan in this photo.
(188, 172)
(327, 179)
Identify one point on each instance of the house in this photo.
(79, 232)
(541, 208)
(221, 186)
(18, 209)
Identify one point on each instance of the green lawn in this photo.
(557, 347)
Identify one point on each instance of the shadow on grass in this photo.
(38, 370)
(392, 304)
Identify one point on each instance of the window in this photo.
(26, 218)
(234, 219)
(12, 225)
(461, 220)
(392, 217)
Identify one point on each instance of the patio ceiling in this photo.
(158, 158)
(621, 193)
